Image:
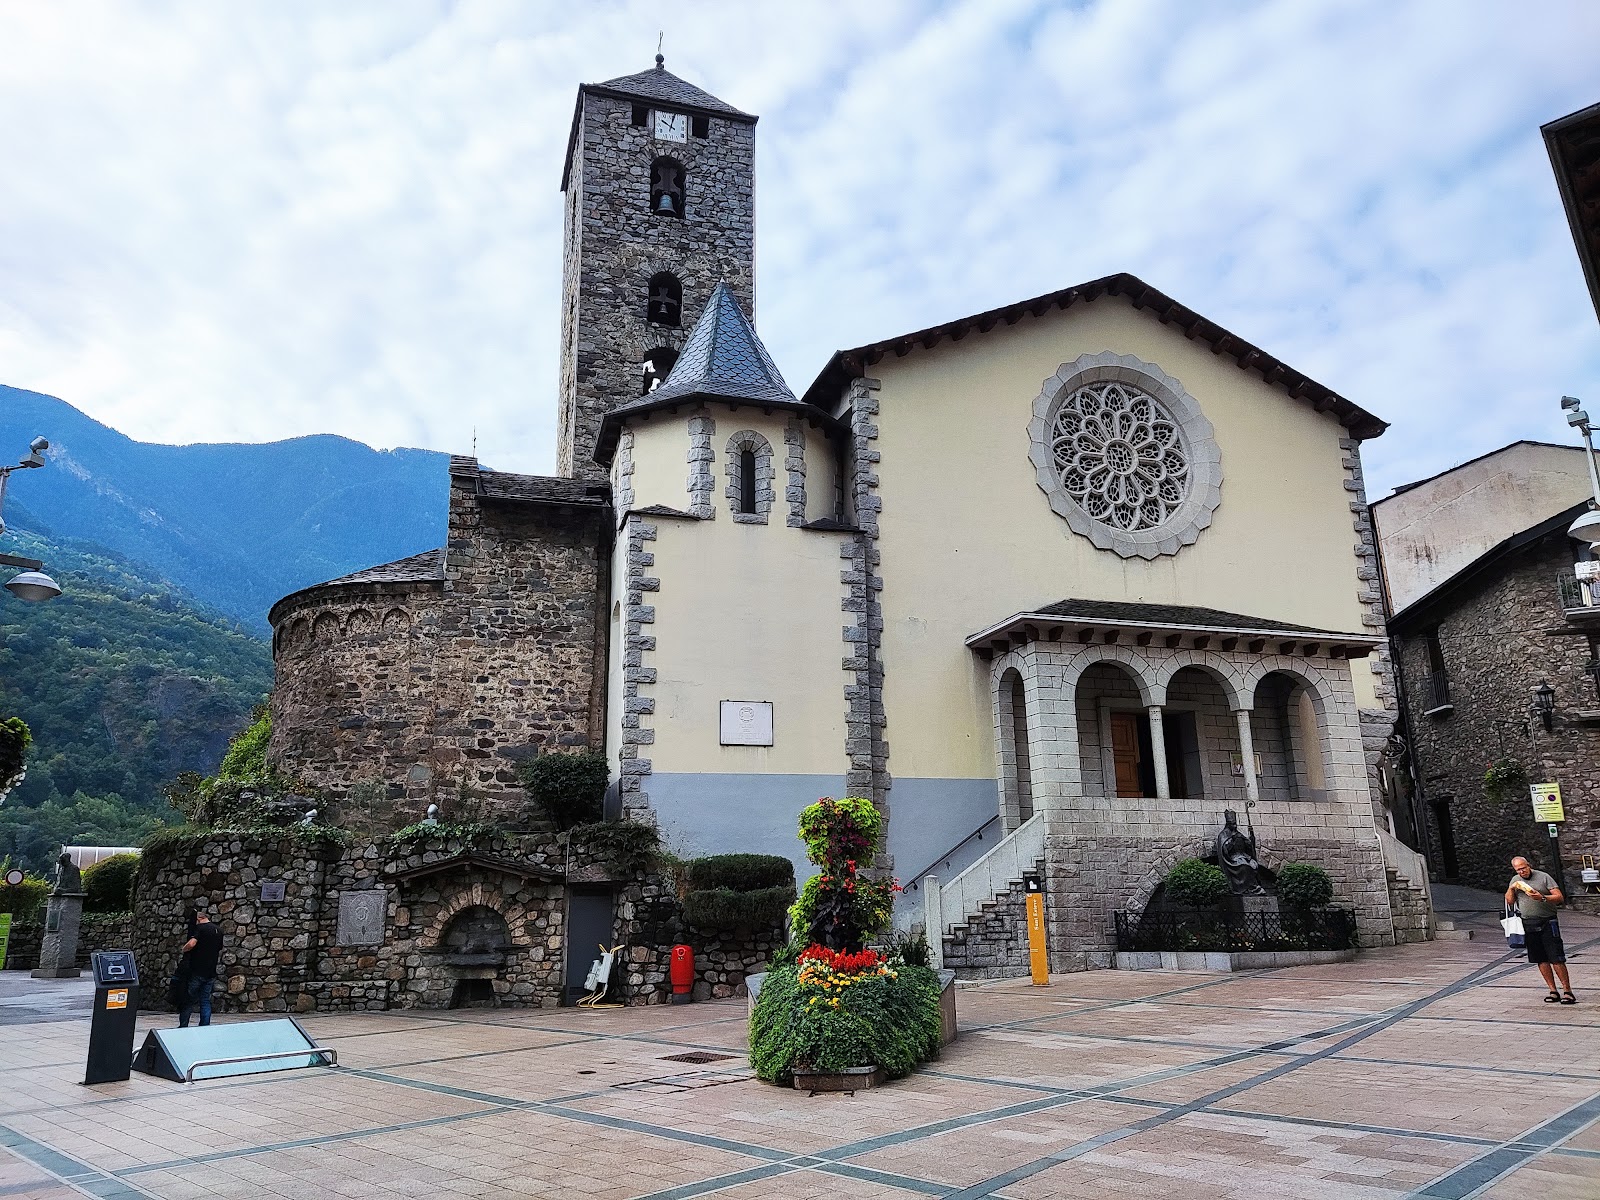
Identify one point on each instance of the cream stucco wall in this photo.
(967, 537)
(744, 612)
(1429, 532)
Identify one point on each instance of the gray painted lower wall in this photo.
(732, 814)
(738, 814)
(929, 816)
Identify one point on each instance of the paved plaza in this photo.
(1430, 1070)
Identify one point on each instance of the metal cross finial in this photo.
(660, 58)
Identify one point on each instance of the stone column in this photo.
(58, 952)
(1247, 751)
(1158, 753)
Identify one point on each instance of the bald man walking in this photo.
(1537, 897)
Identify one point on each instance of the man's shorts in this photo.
(1543, 939)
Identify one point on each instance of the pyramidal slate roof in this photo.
(722, 360)
(662, 85)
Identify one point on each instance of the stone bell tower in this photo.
(660, 207)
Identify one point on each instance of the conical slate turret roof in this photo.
(722, 360)
(723, 357)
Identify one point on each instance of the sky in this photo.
(250, 221)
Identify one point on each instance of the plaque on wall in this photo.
(361, 917)
(746, 723)
(272, 893)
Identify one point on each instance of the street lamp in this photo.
(1587, 527)
(32, 584)
(1544, 703)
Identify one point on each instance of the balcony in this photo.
(1436, 694)
(1580, 598)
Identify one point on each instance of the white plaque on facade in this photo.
(747, 722)
(272, 893)
(361, 916)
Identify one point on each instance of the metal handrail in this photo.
(915, 881)
(331, 1054)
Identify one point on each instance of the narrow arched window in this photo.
(656, 367)
(750, 476)
(665, 304)
(667, 180)
(747, 481)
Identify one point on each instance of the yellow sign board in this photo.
(118, 998)
(1547, 802)
(1038, 957)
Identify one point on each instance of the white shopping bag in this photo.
(1512, 925)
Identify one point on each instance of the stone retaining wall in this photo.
(297, 955)
(96, 931)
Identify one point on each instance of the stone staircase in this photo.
(976, 924)
(1409, 906)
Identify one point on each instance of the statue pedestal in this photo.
(58, 951)
(1263, 903)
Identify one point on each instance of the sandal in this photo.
(1569, 998)
(1554, 998)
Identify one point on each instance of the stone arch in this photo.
(298, 635)
(1190, 847)
(1015, 722)
(396, 619)
(360, 623)
(1227, 675)
(751, 475)
(1151, 690)
(1310, 770)
(325, 628)
(478, 896)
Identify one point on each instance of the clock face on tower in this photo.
(671, 127)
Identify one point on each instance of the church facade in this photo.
(1055, 584)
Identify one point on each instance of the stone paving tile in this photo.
(963, 1157)
(1478, 1103)
(1548, 1177)
(1060, 1060)
(21, 1180)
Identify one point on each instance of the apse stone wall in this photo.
(436, 676)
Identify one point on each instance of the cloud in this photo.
(252, 222)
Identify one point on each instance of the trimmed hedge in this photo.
(724, 908)
(739, 872)
(1195, 883)
(1304, 885)
(108, 884)
(26, 900)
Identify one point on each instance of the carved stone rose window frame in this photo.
(1142, 445)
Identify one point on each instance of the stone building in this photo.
(1477, 635)
(1054, 584)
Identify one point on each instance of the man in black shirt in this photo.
(200, 963)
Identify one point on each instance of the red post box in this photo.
(682, 974)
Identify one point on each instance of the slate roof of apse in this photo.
(1574, 145)
(418, 568)
(1485, 562)
(657, 85)
(1137, 613)
(722, 360)
(846, 365)
(540, 489)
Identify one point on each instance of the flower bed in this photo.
(830, 1005)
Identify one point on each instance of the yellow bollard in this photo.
(1038, 958)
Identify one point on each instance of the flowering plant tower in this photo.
(831, 1003)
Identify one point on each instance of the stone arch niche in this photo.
(1016, 758)
(475, 947)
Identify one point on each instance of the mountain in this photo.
(234, 526)
(125, 680)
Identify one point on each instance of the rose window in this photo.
(1119, 456)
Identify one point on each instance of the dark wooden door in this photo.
(1125, 749)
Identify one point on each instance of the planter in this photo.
(851, 1079)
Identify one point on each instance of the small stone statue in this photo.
(69, 880)
(433, 815)
(1236, 855)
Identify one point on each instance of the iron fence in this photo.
(1435, 691)
(1287, 929)
(1577, 593)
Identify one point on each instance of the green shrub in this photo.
(910, 948)
(889, 1020)
(108, 884)
(468, 832)
(569, 788)
(246, 759)
(740, 872)
(15, 739)
(1304, 885)
(723, 908)
(24, 901)
(1194, 883)
(627, 847)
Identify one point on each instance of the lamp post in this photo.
(32, 584)
(1587, 526)
(1544, 703)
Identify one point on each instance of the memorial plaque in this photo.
(272, 893)
(746, 722)
(361, 917)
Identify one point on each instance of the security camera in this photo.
(39, 445)
(1570, 402)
